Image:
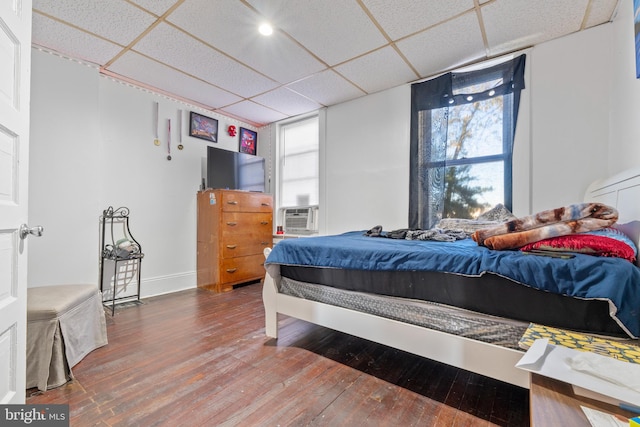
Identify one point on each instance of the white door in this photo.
(15, 77)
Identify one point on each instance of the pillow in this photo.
(607, 242)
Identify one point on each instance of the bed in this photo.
(469, 315)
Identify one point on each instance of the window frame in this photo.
(438, 94)
(279, 158)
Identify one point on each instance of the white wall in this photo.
(571, 79)
(367, 162)
(91, 148)
(64, 171)
(624, 116)
(561, 142)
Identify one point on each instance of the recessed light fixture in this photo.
(265, 29)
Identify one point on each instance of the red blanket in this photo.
(562, 221)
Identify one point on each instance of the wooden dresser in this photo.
(234, 227)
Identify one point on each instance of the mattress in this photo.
(466, 275)
(487, 294)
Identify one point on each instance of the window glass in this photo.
(299, 163)
(474, 180)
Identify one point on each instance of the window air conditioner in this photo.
(300, 220)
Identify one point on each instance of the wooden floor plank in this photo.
(197, 358)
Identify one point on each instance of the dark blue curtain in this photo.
(430, 104)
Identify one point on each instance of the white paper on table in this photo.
(554, 362)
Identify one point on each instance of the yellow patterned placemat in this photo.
(621, 350)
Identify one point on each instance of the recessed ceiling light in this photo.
(265, 29)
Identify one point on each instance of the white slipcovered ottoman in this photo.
(64, 324)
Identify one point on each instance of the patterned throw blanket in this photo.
(408, 234)
(562, 221)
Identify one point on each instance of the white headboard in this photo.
(621, 191)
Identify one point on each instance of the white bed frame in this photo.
(621, 191)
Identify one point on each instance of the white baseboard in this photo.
(160, 285)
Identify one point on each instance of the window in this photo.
(462, 128)
(298, 182)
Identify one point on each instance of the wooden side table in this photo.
(553, 403)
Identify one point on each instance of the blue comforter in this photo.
(584, 276)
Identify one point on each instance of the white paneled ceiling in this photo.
(322, 52)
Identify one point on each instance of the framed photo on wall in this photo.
(203, 127)
(248, 141)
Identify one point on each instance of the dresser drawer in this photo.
(239, 225)
(238, 201)
(243, 247)
(242, 268)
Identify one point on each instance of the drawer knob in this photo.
(232, 223)
(232, 202)
(264, 243)
(265, 204)
(231, 270)
(232, 246)
(264, 222)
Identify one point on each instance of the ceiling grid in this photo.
(321, 52)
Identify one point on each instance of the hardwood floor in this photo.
(195, 358)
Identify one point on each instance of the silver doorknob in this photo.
(34, 231)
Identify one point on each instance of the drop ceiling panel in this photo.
(334, 34)
(115, 20)
(410, 16)
(72, 42)
(327, 88)
(321, 53)
(601, 11)
(259, 114)
(178, 50)
(513, 25)
(378, 70)
(287, 102)
(154, 74)
(231, 27)
(443, 47)
(158, 7)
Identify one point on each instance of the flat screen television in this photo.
(234, 170)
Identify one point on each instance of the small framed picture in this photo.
(203, 127)
(248, 141)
